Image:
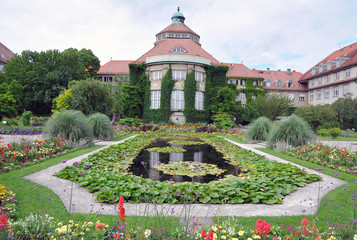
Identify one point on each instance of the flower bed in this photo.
(106, 175)
(339, 159)
(7, 202)
(18, 155)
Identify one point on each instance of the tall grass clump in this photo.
(292, 131)
(71, 125)
(259, 129)
(101, 126)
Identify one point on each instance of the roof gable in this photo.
(5, 53)
(115, 67)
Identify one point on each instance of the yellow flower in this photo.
(224, 231)
(87, 229)
(234, 239)
(224, 237)
(59, 224)
(249, 239)
(76, 225)
(214, 236)
(256, 236)
(241, 233)
(70, 221)
(107, 226)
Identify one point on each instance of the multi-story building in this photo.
(5, 54)
(333, 77)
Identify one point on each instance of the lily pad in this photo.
(186, 142)
(166, 150)
(191, 169)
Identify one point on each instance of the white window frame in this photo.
(199, 76)
(302, 97)
(346, 89)
(279, 83)
(177, 100)
(155, 99)
(268, 83)
(156, 75)
(336, 91)
(318, 94)
(348, 73)
(178, 74)
(328, 78)
(327, 93)
(254, 96)
(337, 76)
(311, 95)
(199, 100)
(242, 82)
(291, 96)
(243, 95)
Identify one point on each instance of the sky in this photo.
(278, 34)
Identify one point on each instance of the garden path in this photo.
(78, 199)
(349, 145)
(7, 138)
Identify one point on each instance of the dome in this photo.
(178, 17)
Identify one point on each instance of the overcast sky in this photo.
(279, 34)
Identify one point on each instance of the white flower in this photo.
(147, 233)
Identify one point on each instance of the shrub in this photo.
(259, 129)
(101, 126)
(26, 118)
(323, 132)
(130, 122)
(71, 125)
(335, 132)
(222, 120)
(293, 131)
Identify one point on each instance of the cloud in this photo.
(279, 33)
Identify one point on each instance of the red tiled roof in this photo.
(5, 52)
(349, 52)
(241, 71)
(115, 67)
(165, 46)
(177, 27)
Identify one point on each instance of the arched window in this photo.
(267, 83)
(278, 83)
(180, 50)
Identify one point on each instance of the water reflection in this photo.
(143, 164)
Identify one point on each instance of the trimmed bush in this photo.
(101, 126)
(293, 131)
(71, 125)
(130, 122)
(259, 129)
(26, 118)
(223, 120)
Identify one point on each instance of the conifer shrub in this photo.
(101, 126)
(259, 129)
(71, 125)
(26, 118)
(292, 131)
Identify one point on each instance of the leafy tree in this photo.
(346, 109)
(91, 96)
(43, 75)
(272, 106)
(318, 116)
(63, 101)
(90, 61)
(224, 100)
(7, 105)
(130, 101)
(246, 114)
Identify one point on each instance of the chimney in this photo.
(289, 71)
(268, 70)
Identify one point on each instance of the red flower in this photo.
(99, 226)
(117, 236)
(326, 151)
(121, 208)
(3, 221)
(203, 234)
(274, 238)
(304, 222)
(315, 150)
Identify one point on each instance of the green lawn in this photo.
(339, 138)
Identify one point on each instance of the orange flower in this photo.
(14, 155)
(99, 226)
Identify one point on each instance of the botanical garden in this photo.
(231, 172)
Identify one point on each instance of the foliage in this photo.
(246, 114)
(167, 85)
(71, 125)
(346, 109)
(259, 129)
(130, 121)
(44, 75)
(18, 155)
(91, 96)
(224, 100)
(223, 120)
(191, 113)
(26, 118)
(166, 149)
(339, 159)
(131, 101)
(272, 106)
(317, 116)
(257, 184)
(8, 105)
(191, 169)
(293, 131)
(101, 126)
(186, 142)
(63, 101)
(333, 132)
(7, 202)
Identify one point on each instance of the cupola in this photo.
(178, 17)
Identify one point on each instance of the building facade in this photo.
(5, 55)
(333, 77)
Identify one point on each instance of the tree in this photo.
(7, 105)
(63, 101)
(346, 109)
(130, 101)
(91, 96)
(318, 116)
(246, 114)
(90, 61)
(224, 100)
(44, 75)
(272, 106)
